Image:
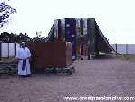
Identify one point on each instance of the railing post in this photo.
(8, 49)
(116, 48)
(126, 48)
(0, 51)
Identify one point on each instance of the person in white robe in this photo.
(23, 55)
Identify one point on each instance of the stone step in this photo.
(8, 68)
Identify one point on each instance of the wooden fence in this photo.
(8, 49)
(124, 48)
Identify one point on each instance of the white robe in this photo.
(23, 53)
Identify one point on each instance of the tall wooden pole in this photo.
(0, 50)
(126, 48)
(60, 36)
(90, 35)
(116, 48)
(81, 30)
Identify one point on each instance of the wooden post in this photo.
(15, 48)
(8, 49)
(81, 32)
(126, 48)
(60, 35)
(89, 50)
(91, 38)
(88, 33)
(116, 48)
(81, 25)
(0, 50)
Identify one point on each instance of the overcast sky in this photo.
(116, 18)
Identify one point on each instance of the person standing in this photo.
(23, 56)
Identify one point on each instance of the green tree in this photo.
(5, 11)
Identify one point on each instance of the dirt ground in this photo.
(102, 77)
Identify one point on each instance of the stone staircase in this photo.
(8, 67)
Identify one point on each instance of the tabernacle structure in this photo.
(84, 34)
